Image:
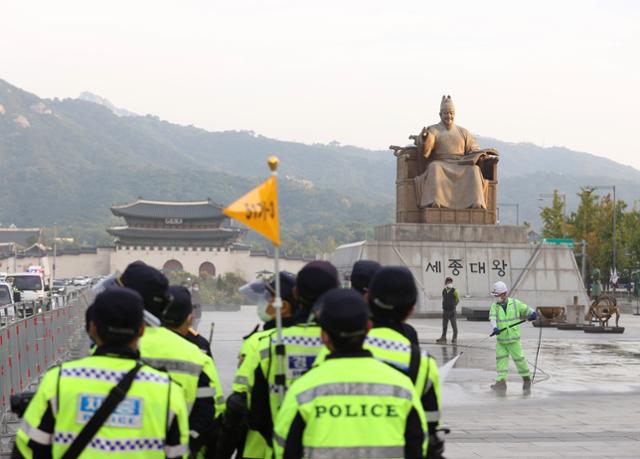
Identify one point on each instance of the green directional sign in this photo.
(558, 241)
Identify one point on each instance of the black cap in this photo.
(150, 283)
(315, 278)
(180, 307)
(392, 292)
(342, 313)
(118, 314)
(287, 283)
(362, 273)
(88, 317)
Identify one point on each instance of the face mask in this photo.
(449, 285)
(195, 289)
(263, 304)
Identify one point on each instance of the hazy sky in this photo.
(367, 73)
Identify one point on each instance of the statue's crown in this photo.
(446, 102)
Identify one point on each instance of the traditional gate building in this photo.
(191, 236)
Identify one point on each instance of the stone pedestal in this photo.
(475, 256)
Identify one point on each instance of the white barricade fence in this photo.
(34, 336)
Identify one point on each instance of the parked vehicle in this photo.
(30, 285)
(81, 281)
(7, 310)
(59, 287)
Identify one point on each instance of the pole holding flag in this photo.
(258, 209)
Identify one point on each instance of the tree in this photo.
(553, 218)
(593, 222)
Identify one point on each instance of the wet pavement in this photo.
(585, 401)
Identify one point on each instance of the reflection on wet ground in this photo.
(563, 367)
(585, 402)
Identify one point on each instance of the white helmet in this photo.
(499, 288)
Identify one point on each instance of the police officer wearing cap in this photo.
(392, 296)
(179, 318)
(351, 405)
(301, 343)
(236, 434)
(361, 275)
(151, 421)
(185, 362)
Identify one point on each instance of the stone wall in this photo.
(105, 261)
(240, 262)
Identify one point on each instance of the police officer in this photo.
(362, 273)
(504, 314)
(179, 318)
(152, 421)
(185, 363)
(301, 344)
(236, 434)
(351, 405)
(392, 297)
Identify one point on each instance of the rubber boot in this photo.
(499, 386)
(526, 385)
(442, 340)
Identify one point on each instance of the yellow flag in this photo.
(258, 209)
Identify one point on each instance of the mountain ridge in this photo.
(84, 158)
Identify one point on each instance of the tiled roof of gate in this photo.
(169, 209)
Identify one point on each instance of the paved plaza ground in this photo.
(585, 402)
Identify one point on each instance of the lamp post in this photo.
(544, 196)
(516, 205)
(613, 242)
(55, 250)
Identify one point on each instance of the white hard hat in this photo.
(499, 288)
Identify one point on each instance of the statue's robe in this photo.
(452, 179)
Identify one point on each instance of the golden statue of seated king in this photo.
(452, 179)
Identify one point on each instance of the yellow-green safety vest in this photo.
(516, 311)
(393, 348)
(184, 361)
(350, 407)
(137, 428)
(255, 447)
(302, 343)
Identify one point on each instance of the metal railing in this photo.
(34, 336)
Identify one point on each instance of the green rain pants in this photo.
(503, 351)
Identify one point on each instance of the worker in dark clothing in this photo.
(450, 300)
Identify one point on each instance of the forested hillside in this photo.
(67, 161)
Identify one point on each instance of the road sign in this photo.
(558, 241)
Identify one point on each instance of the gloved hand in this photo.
(496, 331)
(435, 450)
(533, 316)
